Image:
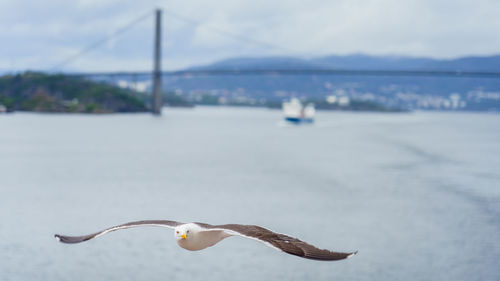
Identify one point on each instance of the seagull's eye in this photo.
(187, 231)
(177, 232)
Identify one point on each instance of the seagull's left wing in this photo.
(78, 239)
(278, 241)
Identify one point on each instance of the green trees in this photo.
(33, 91)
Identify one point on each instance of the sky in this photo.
(41, 35)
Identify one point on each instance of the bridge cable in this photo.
(102, 41)
(233, 35)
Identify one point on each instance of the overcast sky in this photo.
(40, 34)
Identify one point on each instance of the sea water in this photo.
(417, 194)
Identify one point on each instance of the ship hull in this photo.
(299, 120)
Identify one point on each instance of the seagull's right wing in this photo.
(78, 239)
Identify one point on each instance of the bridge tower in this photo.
(156, 103)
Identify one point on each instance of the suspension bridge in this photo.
(157, 74)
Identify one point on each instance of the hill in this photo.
(40, 92)
(408, 92)
(360, 62)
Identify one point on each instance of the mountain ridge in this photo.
(408, 92)
(358, 62)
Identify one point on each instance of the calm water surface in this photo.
(417, 194)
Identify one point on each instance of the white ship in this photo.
(294, 111)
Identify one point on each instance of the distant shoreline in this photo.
(245, 108)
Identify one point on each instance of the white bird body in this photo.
(192, 237)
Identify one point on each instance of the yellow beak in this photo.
(183, 236)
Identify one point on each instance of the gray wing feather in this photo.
(78, 239)
(281, 242)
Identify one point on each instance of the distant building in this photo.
(331, 99)
(344, 101)
(455, 100)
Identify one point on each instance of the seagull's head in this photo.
(182, 232)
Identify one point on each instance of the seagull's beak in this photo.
(183, 236)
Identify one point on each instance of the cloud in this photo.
(38, 35)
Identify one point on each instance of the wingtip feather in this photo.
(69, 239)
(352, 254)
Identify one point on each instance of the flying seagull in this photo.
(198, 236)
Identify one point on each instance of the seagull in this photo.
(197, 236)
